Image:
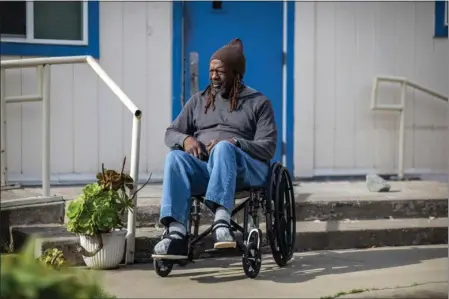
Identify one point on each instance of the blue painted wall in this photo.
(441, 30)
(265, 47)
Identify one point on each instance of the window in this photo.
(49, 28)
(441, 18)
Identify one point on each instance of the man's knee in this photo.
(175, 157)
(223, 148)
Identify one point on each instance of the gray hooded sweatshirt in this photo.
(252, 123)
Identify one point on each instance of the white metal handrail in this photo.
(400, 108)
(43, 85)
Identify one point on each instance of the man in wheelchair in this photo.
(225, 137)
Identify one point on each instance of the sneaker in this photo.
(173, 246)
(223, 236)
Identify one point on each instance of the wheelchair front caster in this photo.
(252, 260)
(162, 268)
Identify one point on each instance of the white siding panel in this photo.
(85, 117)
(325, 93)
(62, 109)
(134, 71)
(31, 125)
(89, 125)
(354, 42)
(14, 141)
(304, 71)
(159, 82)
(345, 51)
(365, 68)
(111, 128)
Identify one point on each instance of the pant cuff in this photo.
(167, 211)
(228, 207)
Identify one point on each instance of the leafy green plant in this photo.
(97, 210)
(24, 277)
(53, 257)
(101, 205)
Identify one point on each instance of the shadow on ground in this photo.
(305, 266)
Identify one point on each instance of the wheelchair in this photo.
(275, 200)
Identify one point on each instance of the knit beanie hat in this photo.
(232, 56)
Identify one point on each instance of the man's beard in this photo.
(222, 90)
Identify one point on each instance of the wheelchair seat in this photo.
(275, 200)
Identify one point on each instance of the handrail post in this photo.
(374, 93)
(43, 65)
(44, 73)
(134, 173)
(3, 160)
(401, 146)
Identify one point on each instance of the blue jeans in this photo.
(227, 170)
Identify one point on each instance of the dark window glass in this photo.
(13, 18)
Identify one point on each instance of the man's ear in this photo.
(236, 42)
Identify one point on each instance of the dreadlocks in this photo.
(234, 59)
(237, 86)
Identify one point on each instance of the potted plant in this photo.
(96, 216)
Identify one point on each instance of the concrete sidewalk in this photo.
(304, 191)
(372, 273)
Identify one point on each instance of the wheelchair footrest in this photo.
(222, 252)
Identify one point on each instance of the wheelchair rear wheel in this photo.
(281, 216)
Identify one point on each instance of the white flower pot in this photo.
(110, 256)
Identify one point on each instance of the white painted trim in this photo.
(284, 81)
(44, 41)
(29, 22)
(85, 24)
(446, 13)
(29, 38)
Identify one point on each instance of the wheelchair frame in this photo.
(277, 203)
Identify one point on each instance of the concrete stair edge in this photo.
(310, 236)
(148, 214)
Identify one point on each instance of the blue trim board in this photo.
(177, 58)
(290, 155)
(177, 74)
(440, 29)
(92, 48)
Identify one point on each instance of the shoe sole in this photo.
(225, 245)
(169, 257)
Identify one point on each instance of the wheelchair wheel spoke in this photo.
(252, 260)
(280, 216)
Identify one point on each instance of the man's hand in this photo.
(193, 147)
(211, 145)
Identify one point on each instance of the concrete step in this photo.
(310, 236)
(29, 212)
(324, 209)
